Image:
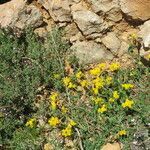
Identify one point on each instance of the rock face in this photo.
(112, 42)
(145, 34)
(90, 52)
(98, 29)
(88, 22)
(17, 14)
(136, 9)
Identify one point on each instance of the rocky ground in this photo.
(96, 29)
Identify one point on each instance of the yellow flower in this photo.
(102, 109)
(128, 103)
(98, 100)
(114, 66)
(102, 66)
(53, 121)
(31, 122)
(72, 123)
(122, 133)
(96, 71)
(98, 82)
(64, 109)
(71, 85)
(95, 91)
(53, 96)
(115, 95)
(79, 75)
(111, 100)
(66, 81)
(53, 105)
(84, 83)
(127, 86)
(108, 80)
(66, 132)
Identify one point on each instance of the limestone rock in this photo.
(145, 34)
(108, 8)
(10, 10)
(103, 5)
(72, 33)
(137, 10)
(114, 14)
(17, 14)
(88, 22)
(91, 52)
(112, 42)
(28, 17)
(58, 9)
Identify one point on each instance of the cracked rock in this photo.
(91, 52)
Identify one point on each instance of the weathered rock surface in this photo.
(17, 14)
(88, 22)
(112, 42)
(91, 52)
(106, 22)
(145, 34)
(136, 10)
(58, 9)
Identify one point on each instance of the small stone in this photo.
(113, 146)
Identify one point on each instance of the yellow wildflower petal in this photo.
(31, 122)
(127, 86)
(53, 121)
(102, 109)
(114, 66)
(72, 123)
(96, 71)
(122, 133)
(115, 95)
(66, 132)
(66, 81)
(111, 100)
(128, 103)
(79, 75)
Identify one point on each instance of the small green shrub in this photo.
(26, 63)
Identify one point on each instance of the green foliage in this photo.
(26, 63)
(26, 139)
(42, 88)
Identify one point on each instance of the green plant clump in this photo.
(49, 101)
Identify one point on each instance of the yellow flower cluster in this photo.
(54, 121)
(114, 67)
(128, 103)
(122, 133)
(98, 100)
(31, 122)
(67, 82)
(54, 100)
(102, 109)
(127, 86)
(79, 75)
(96, 71)
(68, 130)
(115, 95)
